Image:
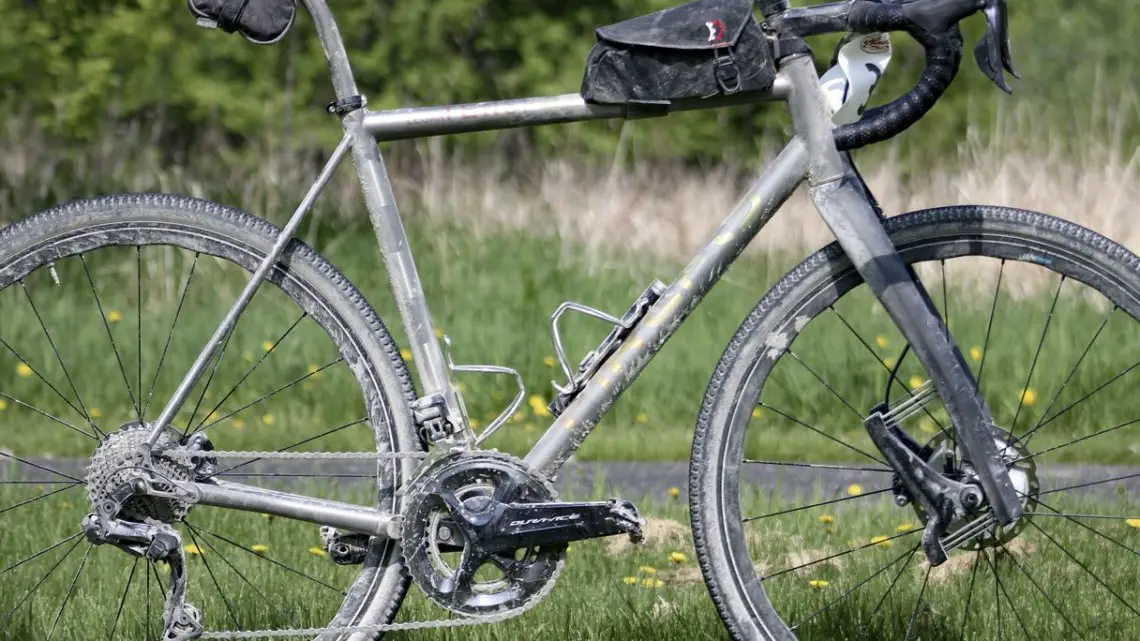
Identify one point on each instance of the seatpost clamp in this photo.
(345, 106)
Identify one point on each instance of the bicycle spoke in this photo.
(210, 379)
(909, 392)
(918, 603)
(1072, 371)
(210, 571)
(111, 337)
(36, 483)
(1091, 483)
(891, 587)
(820, 504)
(37, 498)
(1085, 516)
(1078, 440)
(138, 321)
(123, 600)
(1084, 567)
(826, 385)
(269, 395)
(147, 571)
(266, 558)
(1036, 355)
(29, 593)
(40, 553)
(39, 467)
(252, 368)
(297, 444)
(70, 591)
(1090, 529)
(851, 590)
(970, 595)
(997, 586)
(1008, 600)
(48, 416)
(1042, 590)
(170, 334)
(839, 554)
(821, 433)
(818, 466)
(989, 327)
(82, 411)
(231, 567)
(1088, 396)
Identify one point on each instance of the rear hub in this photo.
(119, 459)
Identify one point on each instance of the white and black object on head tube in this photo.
(860, 64)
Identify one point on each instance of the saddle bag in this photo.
(696, 50)
(262, 22)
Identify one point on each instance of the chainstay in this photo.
(360, 456)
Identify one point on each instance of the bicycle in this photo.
(483, 534)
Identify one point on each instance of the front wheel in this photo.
(798, 529)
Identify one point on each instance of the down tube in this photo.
(618, 373)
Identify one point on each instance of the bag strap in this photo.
(230, 14)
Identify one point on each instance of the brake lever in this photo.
(992, 52)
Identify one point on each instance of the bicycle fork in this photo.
(845, 206)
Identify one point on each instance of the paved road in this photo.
(635, 481)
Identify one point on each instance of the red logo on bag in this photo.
(716, 30)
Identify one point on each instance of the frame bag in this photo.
(696, 50)
(262, 22)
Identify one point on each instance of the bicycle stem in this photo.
(194, 374)
(839, 196)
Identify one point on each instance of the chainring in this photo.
(434, 549)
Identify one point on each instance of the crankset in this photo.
(482, 532)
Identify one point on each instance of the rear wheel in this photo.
(105, 305)
(797, 526)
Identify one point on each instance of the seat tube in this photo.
(839, 196)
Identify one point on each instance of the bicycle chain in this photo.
(373, 629)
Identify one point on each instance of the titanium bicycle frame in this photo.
(839, 195)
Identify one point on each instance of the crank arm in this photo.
(538, 524)
(942, 499)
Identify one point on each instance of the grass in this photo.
(628, 592)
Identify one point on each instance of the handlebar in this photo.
(933, 23)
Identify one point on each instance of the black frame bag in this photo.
(696, 50)
(262, 22)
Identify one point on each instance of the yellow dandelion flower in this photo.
(247, 357)
(267, 517)
(643, 418)
(315, 370)
(268, 419)
(95, 412)
(1029, 396)
(678, 557)
(517, 416)
(916, 382)
(1133, 523)
(647, 569)
(854, 489)
(757, 412)
(114, 316)
(889, 362)
(267, 346)
(462, 387)
(213, 417)
(317, 550)
(3, 405)
(192, 550)
(475, 424)
(882, 341)
(538, 405)
(882, 541)
(675, 492)
(549, 361)
(927, 425)
(630, 580)
(819, 584)
(827, 518)
(238, 423)
(406, 354)
(438, 333)
(259, 548)
(976, 353)
(24, 370)
(905, 527)
(652, 583)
